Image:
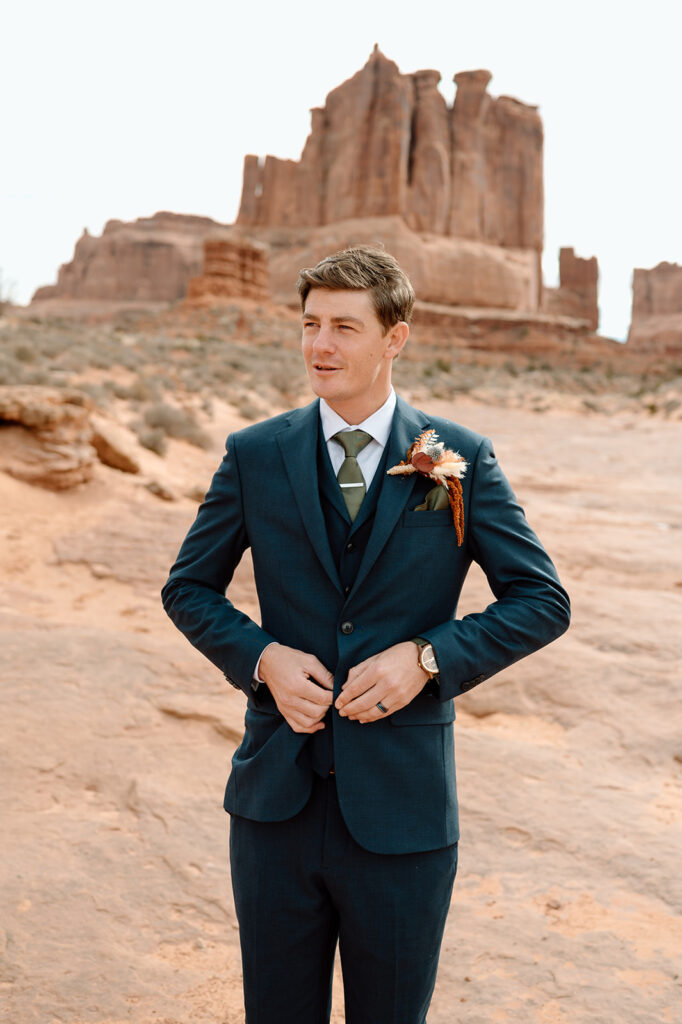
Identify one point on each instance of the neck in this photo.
(357, 411)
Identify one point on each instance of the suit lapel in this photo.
(298, 444)
(395, 490)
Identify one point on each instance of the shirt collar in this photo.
(378, 424)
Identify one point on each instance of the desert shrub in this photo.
(38, 376)
(10, 371)
(25, 353)
(96, 392)
(177, 423)
(76, 359)
(247, 408)
(152, 438)
(144, 389)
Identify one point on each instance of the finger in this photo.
(304, 725)
(317, 695)
(307, 709)
(362, 704)
(373, 715)
(355, 689)
(319, 673)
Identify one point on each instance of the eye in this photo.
(309, 323)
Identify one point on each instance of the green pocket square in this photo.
(437, 498)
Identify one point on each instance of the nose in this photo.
(324, 340)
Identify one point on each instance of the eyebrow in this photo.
(335, 319)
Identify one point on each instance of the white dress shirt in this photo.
(378, 425)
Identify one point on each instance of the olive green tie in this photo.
(351, 480)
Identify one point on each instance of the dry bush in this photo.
(177, 423)
(153, 438)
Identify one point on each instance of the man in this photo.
(342, 793)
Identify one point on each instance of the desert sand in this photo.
(117, 737)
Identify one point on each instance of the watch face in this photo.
(428, 659)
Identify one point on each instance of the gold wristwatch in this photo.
(426, 657)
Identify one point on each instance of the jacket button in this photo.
(350, 546)
(347, 628)
(346, 589)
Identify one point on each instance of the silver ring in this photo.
(381, 707)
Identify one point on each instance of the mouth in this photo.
(325, 368)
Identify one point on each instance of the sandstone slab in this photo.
(115, 446)
(44, 436)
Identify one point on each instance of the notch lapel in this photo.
(395, 493)
(298, 445)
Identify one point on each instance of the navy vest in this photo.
(348, 542)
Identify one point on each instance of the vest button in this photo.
(347, 628)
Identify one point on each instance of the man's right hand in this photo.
(301, 685)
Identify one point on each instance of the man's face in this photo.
(347, 355)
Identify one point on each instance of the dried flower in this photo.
(429, 456)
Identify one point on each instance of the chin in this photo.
(328, 389)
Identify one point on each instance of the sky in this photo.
(117, 110)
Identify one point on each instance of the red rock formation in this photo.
(577, 293)
(454, 271)
(657, 292)
(233, 269)
(386, 143)
(150, 259)
(428, 198)
(456, 193)
(656, 324)
(497, 181)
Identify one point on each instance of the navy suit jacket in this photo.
(395, 777)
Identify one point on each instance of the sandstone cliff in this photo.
(387, 144)
(454, 271)
(150, 260)
(455, 192)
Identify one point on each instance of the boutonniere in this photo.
(429, 456)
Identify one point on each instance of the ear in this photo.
(396, 338)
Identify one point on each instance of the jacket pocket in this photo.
(425, 709)
(441, 517)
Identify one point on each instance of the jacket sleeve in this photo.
(194, 594)
(531, 607)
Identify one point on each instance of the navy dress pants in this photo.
(302, 885)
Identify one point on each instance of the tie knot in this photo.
(352, 441)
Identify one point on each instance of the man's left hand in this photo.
(392, 678)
